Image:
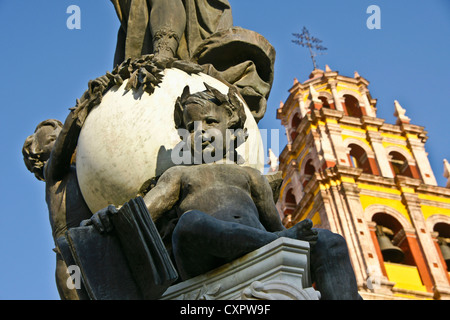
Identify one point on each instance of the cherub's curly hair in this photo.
(35, 161)
(230, 102)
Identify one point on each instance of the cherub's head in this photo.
(37, 147)
(211, 115)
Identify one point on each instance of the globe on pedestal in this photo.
(129, 137)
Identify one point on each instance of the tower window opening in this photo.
(290, 203)
(352, 107)
(325, 103)
(290, 198)
(400, 165)
(294, 124)
(443, 230)
(392, 240)
(308, 172)
(358, 158)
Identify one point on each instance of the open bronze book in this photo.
(129, 263)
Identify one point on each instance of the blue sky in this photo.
(46, 67)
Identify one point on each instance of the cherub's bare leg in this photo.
(202, 243)
(331, 268)
(61, 276)
(167, 22)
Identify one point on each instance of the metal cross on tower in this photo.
(306, 40)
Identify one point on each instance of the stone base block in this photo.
(277, 271)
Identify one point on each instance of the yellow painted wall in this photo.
(428, 211)
(316, 219)
(300, 149)
(404, 276)
(283, 187)
(348, 87)
(393, 136)
(344, 137)
(397, 205)
(304, 213)
(405, 148)
(355, 129)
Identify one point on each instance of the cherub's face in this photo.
(44, 140)
(37, 148)
(213, 120)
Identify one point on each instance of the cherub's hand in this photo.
(101, 219)
(301, 231)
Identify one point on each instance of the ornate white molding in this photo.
(277, 271)
(278, 290)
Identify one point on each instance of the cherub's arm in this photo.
(63, 149)
(158, 201)
(165, 194)
(263, 198)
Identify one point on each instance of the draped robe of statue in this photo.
(205, 35)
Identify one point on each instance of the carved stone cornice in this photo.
(348, 171)
(411, 128)
(327, 113)
(434, 190)
(351, 121)
(374, 136)
(403, 181)
(377, 180)
(372, 121)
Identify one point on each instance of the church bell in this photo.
(445, 250)
(390, 252)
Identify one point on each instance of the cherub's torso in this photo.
(65, 203)
(220, 190)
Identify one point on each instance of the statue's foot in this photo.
(168, 61)
(187, 66)
(301, 231)
(163, 61)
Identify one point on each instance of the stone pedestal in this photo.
(277, 271)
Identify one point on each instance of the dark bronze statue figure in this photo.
(168, 28)
(48, 155)
(202, 32)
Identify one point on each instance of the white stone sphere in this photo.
(127, 139)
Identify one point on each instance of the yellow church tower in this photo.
(370, 181)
